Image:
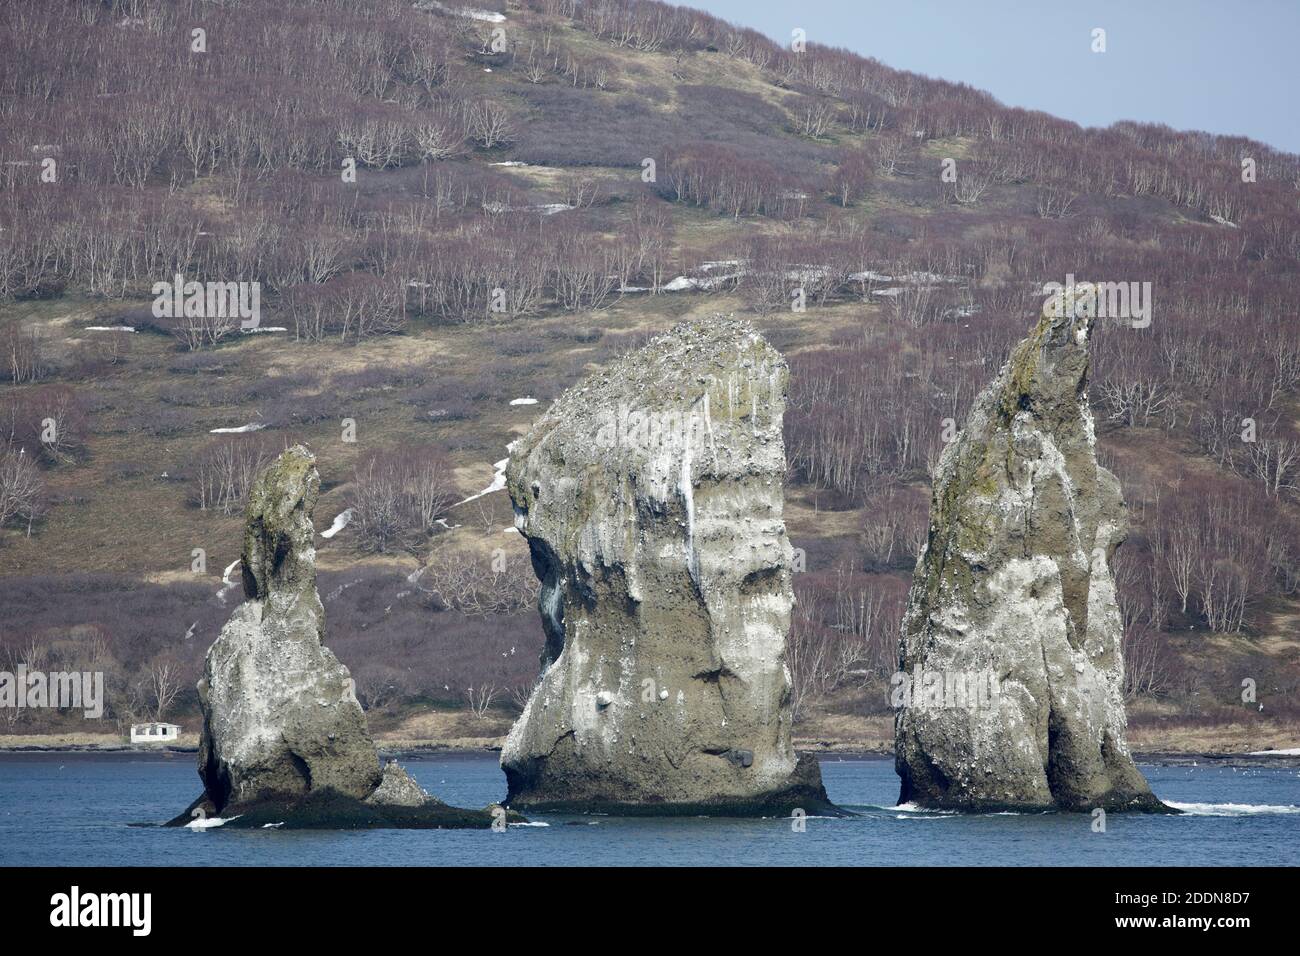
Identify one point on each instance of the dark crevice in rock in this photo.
(304, 770)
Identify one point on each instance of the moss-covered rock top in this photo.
(278, 531)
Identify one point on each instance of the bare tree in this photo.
(477, 587)
(196, 331)
(375, 500)
(1146, 668)
(521, 693)
(428, 486)
(225, 472)
(164, 677)
(891, 153)
(485, 512)
(480, 700)
(440, 131)
(398, 494)
(22, 490)
(806, 656)
(1275, 463)
(490, 123)
(972, 181)
(814, 119)
(20, 352)
(439, 138)
(581, 190)
(1054, 202)
(852, 177)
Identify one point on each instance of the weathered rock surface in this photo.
(651, 498)
(1016, 584)
(398, 789)
(280, 718)
(283, 734)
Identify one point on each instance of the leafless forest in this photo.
(446, 213)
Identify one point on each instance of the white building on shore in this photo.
(154, 733)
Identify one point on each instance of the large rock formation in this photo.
(284, 737)
(651, 499)
(1014, 595)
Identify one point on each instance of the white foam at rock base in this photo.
(1231, 809)
(207, 823)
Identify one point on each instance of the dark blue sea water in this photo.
(74, 809)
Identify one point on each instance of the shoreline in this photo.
(404, 750)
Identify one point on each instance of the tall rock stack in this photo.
(651, 497)
(279, 715)
(284, 738)
(1014, 594)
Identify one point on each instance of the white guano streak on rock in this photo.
(688, 500)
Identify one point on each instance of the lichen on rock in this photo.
(1015, 585)
(651, 497)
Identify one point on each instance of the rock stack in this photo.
(1012, 625)
(651, 498)
(284, 739)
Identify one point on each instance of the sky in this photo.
(1225, 66)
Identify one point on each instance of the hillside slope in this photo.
(451, 216)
